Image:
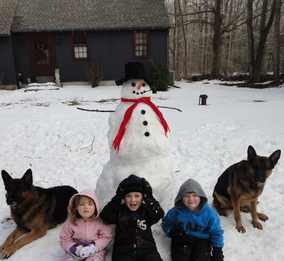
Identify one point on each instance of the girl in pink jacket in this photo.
(84, 235)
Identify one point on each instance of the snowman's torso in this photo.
(144, 134)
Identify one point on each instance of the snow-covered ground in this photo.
(43, 130)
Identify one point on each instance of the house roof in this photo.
(53, 15)
(7, 11)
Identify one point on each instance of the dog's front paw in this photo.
(222, 212)
(241, 229)
(257, 224)
(4, 254)
(2, 247)
(262, 216)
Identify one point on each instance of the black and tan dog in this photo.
(241, 184)
(34, 209)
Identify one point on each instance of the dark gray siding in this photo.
(7, 63)
(159, 44)
(111, 50)
(21, 56)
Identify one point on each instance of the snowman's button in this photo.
(147, 134)
(145, 123)
(143, 112)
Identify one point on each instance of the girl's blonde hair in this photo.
(73, 214)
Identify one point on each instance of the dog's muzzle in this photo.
(11, 202)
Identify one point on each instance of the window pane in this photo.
(80, 45)
(141, 44)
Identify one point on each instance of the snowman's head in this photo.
(135, 89)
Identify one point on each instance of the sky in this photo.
(43, 129)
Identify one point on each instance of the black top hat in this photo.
(134, 70)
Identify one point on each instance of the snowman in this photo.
(138, 139)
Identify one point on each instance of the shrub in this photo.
(159, 74)
(1, 77)
(93, 74)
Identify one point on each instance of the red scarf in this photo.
(127, 116)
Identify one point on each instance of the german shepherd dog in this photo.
(241, 184)
(34, 209)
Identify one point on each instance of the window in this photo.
(80, 46)
(41, 50)
(140, 44)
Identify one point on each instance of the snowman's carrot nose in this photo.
(140, 84)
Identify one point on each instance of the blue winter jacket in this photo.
(202, 223)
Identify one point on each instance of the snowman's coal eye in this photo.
(133, 84)
(143, 84)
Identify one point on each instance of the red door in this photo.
(42, 55)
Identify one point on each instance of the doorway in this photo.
(42, 56)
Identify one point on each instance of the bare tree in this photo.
(208, 15)
(256, 61)
(179, 7)
(217, 37)
(276, 51)
(178, 43)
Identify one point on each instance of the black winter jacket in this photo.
(133, 228)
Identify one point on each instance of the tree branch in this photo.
(95, 110)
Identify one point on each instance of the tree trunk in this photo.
(217, 39)
(264, 30)
(179, 55)
(276, 49)
(184, 39)
(250, 36)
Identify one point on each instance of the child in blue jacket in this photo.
(193, 226)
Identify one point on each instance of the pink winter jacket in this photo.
(94, 230)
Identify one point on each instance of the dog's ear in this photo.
(274, 157)
(251, 153)
(28, 177)
(6, 177)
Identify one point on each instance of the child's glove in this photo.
(180, 237)
(88, 249)
(75, 251)
(84, 250)
(217, 254)
(148, 193)
(120, 191)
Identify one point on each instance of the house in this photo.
(38, 36)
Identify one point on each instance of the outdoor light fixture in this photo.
(58, 39)
(22, 40)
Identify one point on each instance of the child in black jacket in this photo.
(133, 219)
